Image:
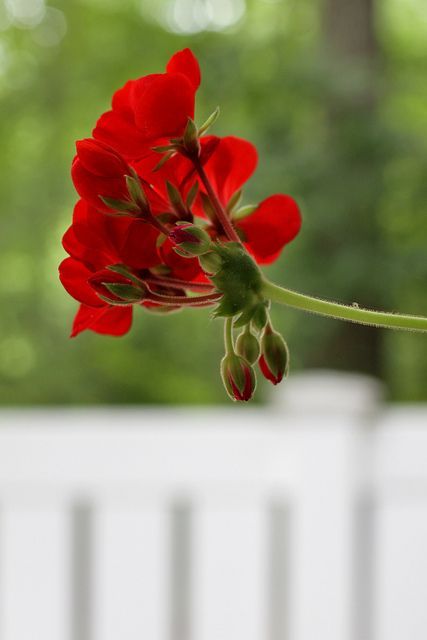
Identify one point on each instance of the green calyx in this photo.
(237, 277)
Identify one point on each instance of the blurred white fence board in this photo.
(35, 572)
(315, 458)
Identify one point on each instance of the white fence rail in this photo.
(304, 521)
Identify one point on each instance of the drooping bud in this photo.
(238, 377)
(190, 240)
(247, 346)
(274, 360)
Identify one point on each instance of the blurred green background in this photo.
(334, 95)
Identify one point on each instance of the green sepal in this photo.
(136, 192)
(123, 270)
(191, 196)
(234, 201)
(126, 292)
(245, 211)
(125, 206)
(209, 121)
(210, 262)
(175, 199)
(113, 302)
(164, 159)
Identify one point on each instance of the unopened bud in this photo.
(190, 240)
(191, 139)
(118, 292)
(247, 346)
(274, 360)
(238, 377)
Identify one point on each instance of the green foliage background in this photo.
(360, 177)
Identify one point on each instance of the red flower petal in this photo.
(231, 164)
(101, 159)
(186, 63)
(74, 277)
(90, 186)
(118, 129)
(113, 321)
(270, 227)
(162, 104)
(139, 249)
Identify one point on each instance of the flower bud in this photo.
(191, 139)
(190, 240)
(238, 377)
(247, 346)
(274, 360)
(115, 289)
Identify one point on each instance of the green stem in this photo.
(342, 311)
(228, 336)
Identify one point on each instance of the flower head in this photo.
(159, 224)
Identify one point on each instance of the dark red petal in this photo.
(139, 249)
(266, 371)
(118, 129)
(271, 226)
(74, 277)
(94, 258)
(162, 104)
(101, 159)
(185, 62)
(231, 164)
(90, 186)
(113, 321)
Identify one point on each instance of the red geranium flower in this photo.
(144, 179)
(151, 108)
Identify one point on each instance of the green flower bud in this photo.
(190, 240)
(274, 360)
(247, 346)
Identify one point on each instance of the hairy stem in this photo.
(338, 311)
(222, 215)
(195, 301)
(173, 283)
(228, 336)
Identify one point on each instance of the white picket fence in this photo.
(306, 520)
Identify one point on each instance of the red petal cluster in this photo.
(146, 113)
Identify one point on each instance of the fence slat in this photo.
(400, 578)
(35, 571)
(229, 573)
(130, 573)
